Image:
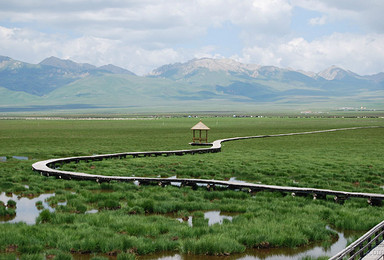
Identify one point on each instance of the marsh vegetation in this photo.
(131, 220)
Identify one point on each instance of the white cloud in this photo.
(367, 14)
(318, 20)
(32, 46)
(363, 54)
(26, 45)
(185, 19)
(110, 30)
(142, 34)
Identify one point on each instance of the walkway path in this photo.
(376, 254)
(48, 168)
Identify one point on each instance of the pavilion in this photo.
(200, 127)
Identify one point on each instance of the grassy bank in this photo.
(142, 219)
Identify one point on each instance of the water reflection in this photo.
(214, 217)
(92, 211)
(178, 184)
(234, 179)
(26, 210)
(20, 157)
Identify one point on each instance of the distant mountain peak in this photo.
(7, 62)
(379, 77)
(66, 64)
(213, 65)
(115, 69)
(223, 64)
(82, 67)
(307, 73)
(4, 58)
(335, 73)
(4, 61)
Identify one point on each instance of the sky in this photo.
(141, 35)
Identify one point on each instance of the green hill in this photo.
(197, 85)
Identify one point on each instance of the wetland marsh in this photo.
(131, 220)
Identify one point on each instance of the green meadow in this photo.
(129, 221)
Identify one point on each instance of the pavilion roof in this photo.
(200, 126)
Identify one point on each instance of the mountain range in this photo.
(197, 85)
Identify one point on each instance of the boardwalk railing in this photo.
(354, 251)
(363, 245)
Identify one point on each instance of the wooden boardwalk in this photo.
(49, 168)
(376, 254)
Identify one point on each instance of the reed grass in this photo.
(126, 256)
(7, 212)
(63, 256)
(11, 204)
(212, 245)
(8, 256)
(32, 257)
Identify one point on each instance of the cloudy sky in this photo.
(141, 35)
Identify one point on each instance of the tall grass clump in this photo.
(99, 258)
(11, 204)
(45, 216)
(148, 205)
(212, 245)
(32, 257)
(63, 256)
(126, 256)
(7, 212)
(8, 257)
(58, 255)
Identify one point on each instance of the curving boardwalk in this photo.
(48, 168)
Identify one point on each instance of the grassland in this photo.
(138, 220)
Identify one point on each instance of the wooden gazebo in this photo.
(200, 127)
